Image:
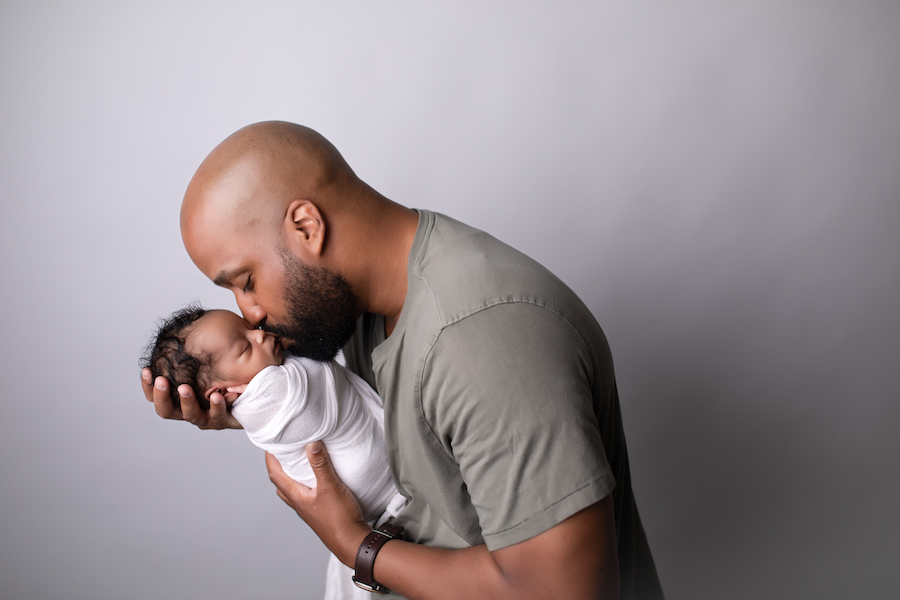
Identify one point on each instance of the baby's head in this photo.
(210, 350)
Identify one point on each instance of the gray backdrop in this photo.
(719, 181)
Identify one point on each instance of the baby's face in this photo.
(236, 351)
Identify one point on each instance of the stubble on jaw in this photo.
(321, 310)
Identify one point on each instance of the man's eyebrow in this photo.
(224, 278)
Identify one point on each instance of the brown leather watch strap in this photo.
(365, 556)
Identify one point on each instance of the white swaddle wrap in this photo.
(288, 406)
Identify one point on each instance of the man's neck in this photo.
(384, 260)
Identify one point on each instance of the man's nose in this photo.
(253, 312)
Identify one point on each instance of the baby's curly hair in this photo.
(166, 355)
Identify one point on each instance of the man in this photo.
(502, 419)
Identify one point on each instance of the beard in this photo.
(321, 310)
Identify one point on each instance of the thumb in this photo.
(320, 462)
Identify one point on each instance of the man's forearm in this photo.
(421, 572)
(575, 559)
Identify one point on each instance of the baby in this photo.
(283, 402)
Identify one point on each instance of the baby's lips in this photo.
(284, 343)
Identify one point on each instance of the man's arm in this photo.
(575, 559)
(157, 392)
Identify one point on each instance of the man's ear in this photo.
(304, 230)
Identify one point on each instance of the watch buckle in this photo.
(377, 589)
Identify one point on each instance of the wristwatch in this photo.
(365, 556)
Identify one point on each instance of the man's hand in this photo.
(575, 559)
(217, 417)
(330, 508)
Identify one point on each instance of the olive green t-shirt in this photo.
(501, 412)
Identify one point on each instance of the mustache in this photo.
(321, 345)
(284, 333)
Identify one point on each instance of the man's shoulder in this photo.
(460, 278)
(460, 270)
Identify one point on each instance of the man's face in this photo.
(320, 310)
(311, 306)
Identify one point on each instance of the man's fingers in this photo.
(218, 416)
(157, 391)
(161, 400)
(330, 508)
(218, 412)
(147, 384)
(190, 408)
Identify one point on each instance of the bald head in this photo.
(276, 194)
(250, 178)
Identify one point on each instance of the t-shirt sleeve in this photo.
(508, 393)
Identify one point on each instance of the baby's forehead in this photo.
(213, 332)
(223, 320)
